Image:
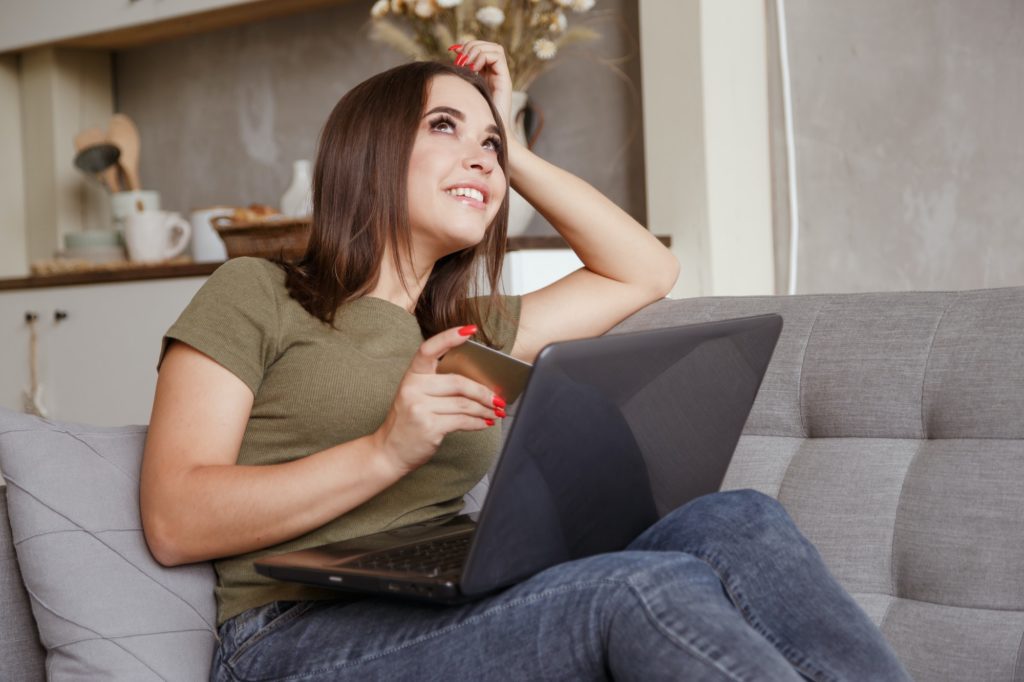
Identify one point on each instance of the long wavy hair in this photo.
(360, 206)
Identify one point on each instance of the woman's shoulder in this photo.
(234, 318)
(247, 277)
(247, 269)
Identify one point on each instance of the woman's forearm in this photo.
(606, 238)
(223, 510)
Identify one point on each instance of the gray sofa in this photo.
(891, 426)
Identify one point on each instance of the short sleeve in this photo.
(234, 319)
(501, 325)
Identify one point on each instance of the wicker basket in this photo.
(264, 238)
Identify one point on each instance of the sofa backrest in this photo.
(891, 427)
(21, 655)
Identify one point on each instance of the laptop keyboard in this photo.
(433, 558)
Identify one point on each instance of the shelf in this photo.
(107, 276)
(148, 272)
(124, 24)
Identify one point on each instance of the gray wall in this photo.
(223, 114)
(910, 150)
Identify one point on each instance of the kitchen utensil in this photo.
(156, 235)
(94, 254)
(96, 156)
(87, 239)
(97, 246)
(123, 204)
(123, 133)
(206, 243)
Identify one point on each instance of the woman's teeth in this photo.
(467, 192)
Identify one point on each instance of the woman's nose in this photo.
(479, 160)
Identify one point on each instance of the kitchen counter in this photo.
(146, 272)
(105, 276)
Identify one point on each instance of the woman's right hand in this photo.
(428, 405)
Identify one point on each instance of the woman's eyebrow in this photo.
(455, 113)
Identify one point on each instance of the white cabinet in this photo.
(533, 269)
(97, 365)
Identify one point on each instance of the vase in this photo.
(297, 200)
(520, 212)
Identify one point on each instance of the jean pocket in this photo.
(282, 613)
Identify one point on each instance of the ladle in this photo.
(96, 156)
(125, 135)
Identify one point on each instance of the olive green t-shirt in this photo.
(314, 387)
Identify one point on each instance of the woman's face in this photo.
(455, 183)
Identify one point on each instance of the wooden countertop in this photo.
(148, 272)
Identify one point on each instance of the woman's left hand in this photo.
(488, 59)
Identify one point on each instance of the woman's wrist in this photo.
(518, 154)
(387, 465)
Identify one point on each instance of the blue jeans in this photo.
(723, 588)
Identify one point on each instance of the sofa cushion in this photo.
(104, 607)
(21, 655)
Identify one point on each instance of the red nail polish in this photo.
(499, 402)
(498, 412)
(490, 422)
(468, 330)
(455, 48)
(461, 61)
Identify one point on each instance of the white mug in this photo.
(154, 236)
(123, 204)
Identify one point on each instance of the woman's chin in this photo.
(463, 246)
(468, 238)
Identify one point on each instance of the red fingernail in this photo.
(490, 422)
(455, 48)
(498, 412)
(499, 402)
(468, 330)
(462, 59)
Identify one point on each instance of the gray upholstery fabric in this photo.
(939, 642)
(852, 484)
(960, 528)
(21, 654)
(974, 380)
(105, 609)
(891, 427)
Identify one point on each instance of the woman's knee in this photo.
(744, 503)
(719, 519)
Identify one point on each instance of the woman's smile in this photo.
(470, 194)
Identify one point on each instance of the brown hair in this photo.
(360, 205)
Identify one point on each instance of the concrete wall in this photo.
(223, 114)
(910, 151)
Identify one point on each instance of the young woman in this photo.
(298, 404)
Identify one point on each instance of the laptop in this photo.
(610, 434)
